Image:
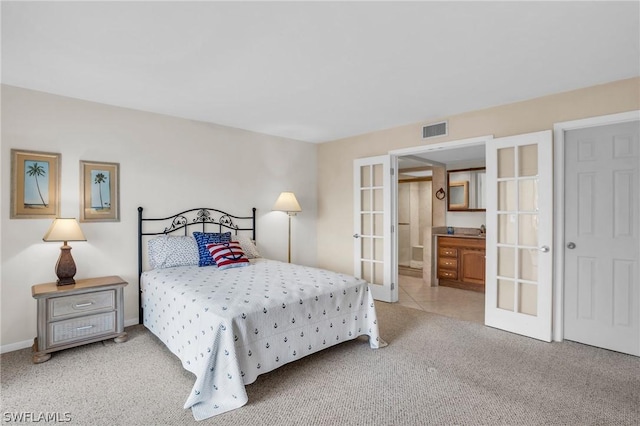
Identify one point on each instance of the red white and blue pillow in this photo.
(228, 255)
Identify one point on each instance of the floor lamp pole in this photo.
(289, 252)
(287, 203)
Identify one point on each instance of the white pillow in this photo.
(167, 251)
(248, 246)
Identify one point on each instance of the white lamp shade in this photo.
(64, 229)
(287, 202)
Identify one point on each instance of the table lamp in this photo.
(65, 230)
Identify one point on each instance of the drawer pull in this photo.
(86, 327)
(82, 305)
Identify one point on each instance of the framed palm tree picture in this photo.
(35, 185)
(99, 191)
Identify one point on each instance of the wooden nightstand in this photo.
(88, 311)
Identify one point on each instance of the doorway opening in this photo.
(414, 216)
(422, 216)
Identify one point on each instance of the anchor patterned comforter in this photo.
(229, 326)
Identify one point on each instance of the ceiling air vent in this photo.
(433, 130)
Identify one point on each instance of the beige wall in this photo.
(335, 159)
(167, 165)
(161, 155)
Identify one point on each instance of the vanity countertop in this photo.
(479, 237)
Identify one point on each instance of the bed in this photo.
(229, 324)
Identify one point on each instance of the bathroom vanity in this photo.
(461, 261)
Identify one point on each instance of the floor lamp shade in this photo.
(65, 230)
(287, 202)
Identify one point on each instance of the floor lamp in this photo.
(287, 202)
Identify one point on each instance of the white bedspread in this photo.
(229, 326)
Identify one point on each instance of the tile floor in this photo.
(452, 302)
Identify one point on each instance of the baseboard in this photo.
(131, 321)
(16, 346)
(411, 272)
(28, 343)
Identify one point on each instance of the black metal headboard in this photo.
(206, 219)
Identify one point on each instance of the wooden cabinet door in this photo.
(472, 266)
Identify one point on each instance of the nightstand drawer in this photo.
(78, 329)
(81, 304)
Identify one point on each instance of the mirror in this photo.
(466, 189)
(459, 195)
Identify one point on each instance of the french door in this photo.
(518, 289)
(372, 226)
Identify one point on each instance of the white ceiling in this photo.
(316, 71)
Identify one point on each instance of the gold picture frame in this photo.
(35, 184)
(99, 191)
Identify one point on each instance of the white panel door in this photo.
(519, 185)
(372, 226)
(601, 281)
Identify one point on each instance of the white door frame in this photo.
(421, 149)
(559, 130)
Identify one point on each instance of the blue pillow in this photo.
(205, 238)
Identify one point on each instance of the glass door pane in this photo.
(517, 204)
(371, 214)
(372, 248)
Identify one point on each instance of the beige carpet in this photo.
(436, 370)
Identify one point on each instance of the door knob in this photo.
(571, 245)
(356, 236)
(544, 249)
